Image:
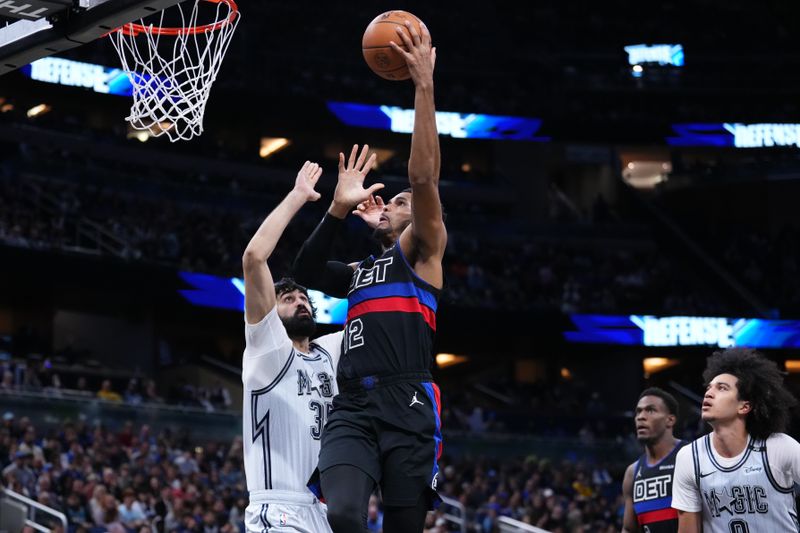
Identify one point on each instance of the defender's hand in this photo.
(350, 189)
(370, 211)
(306, 181)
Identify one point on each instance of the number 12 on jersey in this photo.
(354, 337)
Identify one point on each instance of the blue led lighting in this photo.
(458, 125)
(70, 73)
(228, 293)
(646, 330)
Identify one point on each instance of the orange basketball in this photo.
(380, 57)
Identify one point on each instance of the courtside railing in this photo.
(35, 508)
(509, 525)
(454, 513)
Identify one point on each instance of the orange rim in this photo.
(136, 29)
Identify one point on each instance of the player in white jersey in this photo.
(740, 477)
(289, 382)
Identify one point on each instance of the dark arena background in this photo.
(621, 184)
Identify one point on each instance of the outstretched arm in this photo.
(311, 266)
(425, 240)
(259, 297)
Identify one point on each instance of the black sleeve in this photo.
(311, 267)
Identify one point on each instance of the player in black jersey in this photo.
(385, 426)
(647, 486)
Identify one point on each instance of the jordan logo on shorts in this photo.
(414, 401)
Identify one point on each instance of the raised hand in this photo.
(370, 211)
(350, 189)
(420, 55)
(306, 180)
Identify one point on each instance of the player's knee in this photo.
(346, 518)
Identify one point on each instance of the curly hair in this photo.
(760, 382)
(287, 284)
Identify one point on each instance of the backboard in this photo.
(32, 29)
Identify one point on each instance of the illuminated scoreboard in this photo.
(70, 73)
(457, 125)
(676, 331)
(735, 135)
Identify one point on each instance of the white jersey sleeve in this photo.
(267, 348)
(332, 344)
(784, 459)
(685, 492)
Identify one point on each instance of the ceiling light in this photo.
(38, 110)
(653, 365)
(443, 360)
(793, 366)
(270, 145)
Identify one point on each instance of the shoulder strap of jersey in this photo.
(768, 471)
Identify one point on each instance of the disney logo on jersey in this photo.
(305, 384)
(652, 488)
(740, 499)
(370, 276)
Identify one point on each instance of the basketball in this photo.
(380, 57)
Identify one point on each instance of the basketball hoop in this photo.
(172, 68)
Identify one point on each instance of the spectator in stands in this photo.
(20, 473)
(132, 395)
(81, 386)
(8, 381)
(77, 513)
(150, 392)
(131, 513)
(30, 445)
(221, 396)
(111, 517)
(96, 504)
(186, 464)
(107, 394)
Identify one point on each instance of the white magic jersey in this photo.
(287, 397)
(752, 492)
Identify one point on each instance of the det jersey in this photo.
(287, 398)
(652, 493)
(391, 319)
(744, 497)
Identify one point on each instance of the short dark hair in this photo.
(287, 284)
(760, 382)
(668, 399)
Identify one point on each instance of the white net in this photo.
(172, 68)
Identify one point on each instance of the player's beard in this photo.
(299, 327)
(385, 236)
(382, 235)
(652, 439)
